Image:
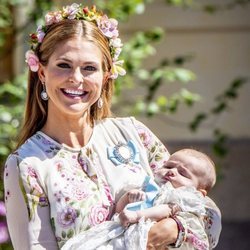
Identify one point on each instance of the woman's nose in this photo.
(77, 76)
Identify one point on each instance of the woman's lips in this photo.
(74, 92)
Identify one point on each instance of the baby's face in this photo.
(180, 170)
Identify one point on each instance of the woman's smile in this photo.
(74, 93)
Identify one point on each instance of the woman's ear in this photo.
(41, 73)
(106, 77)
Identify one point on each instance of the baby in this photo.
(184, 181)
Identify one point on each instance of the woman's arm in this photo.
(28, 222)
(163, 233)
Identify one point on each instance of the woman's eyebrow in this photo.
(92, 62)
(63, 58)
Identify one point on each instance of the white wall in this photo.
(221, 46)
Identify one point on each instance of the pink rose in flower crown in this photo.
(32, 60)
(71, 10)
(53, 17)
(40, 33)
(108, 26)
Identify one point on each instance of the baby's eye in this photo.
(183, 173)
(63, 65)
(168, 166)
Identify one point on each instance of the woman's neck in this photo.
(74, 132)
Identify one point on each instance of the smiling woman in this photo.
(73, 160)
(74, 79)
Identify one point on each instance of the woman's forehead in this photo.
(77, 47)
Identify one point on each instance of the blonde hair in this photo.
(35, 114)
(208, 169)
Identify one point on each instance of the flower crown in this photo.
(108, 27)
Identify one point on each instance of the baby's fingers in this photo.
(136, 196)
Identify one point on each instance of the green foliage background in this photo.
(136, 50)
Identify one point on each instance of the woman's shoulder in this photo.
(117, 120)
(34, 146)
(126, 122)
(116, 130)
(127, 126)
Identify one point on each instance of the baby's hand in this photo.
(128, 217)
(136, 195)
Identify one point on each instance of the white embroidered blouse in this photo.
(53, 192)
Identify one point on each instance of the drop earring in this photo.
(100, 103)
(44, 94)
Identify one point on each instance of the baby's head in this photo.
(189, 167)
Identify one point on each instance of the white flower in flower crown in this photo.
(32, 60)
(117, 69)
(71, 10)
(53, 17)
(117, 52)
(108, 26)
(116, 42)
(40, 33)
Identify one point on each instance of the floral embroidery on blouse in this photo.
(157, 152)
(32, 191)
(98, 214)
(196, 242)
(209, 220)
(78, 199)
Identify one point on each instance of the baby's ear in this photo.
(203, 191)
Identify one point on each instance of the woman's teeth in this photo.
(74, 92)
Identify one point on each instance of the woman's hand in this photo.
(162, 234)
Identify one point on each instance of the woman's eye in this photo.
(90, 68)
(63, 65)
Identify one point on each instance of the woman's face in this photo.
(73, 77)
